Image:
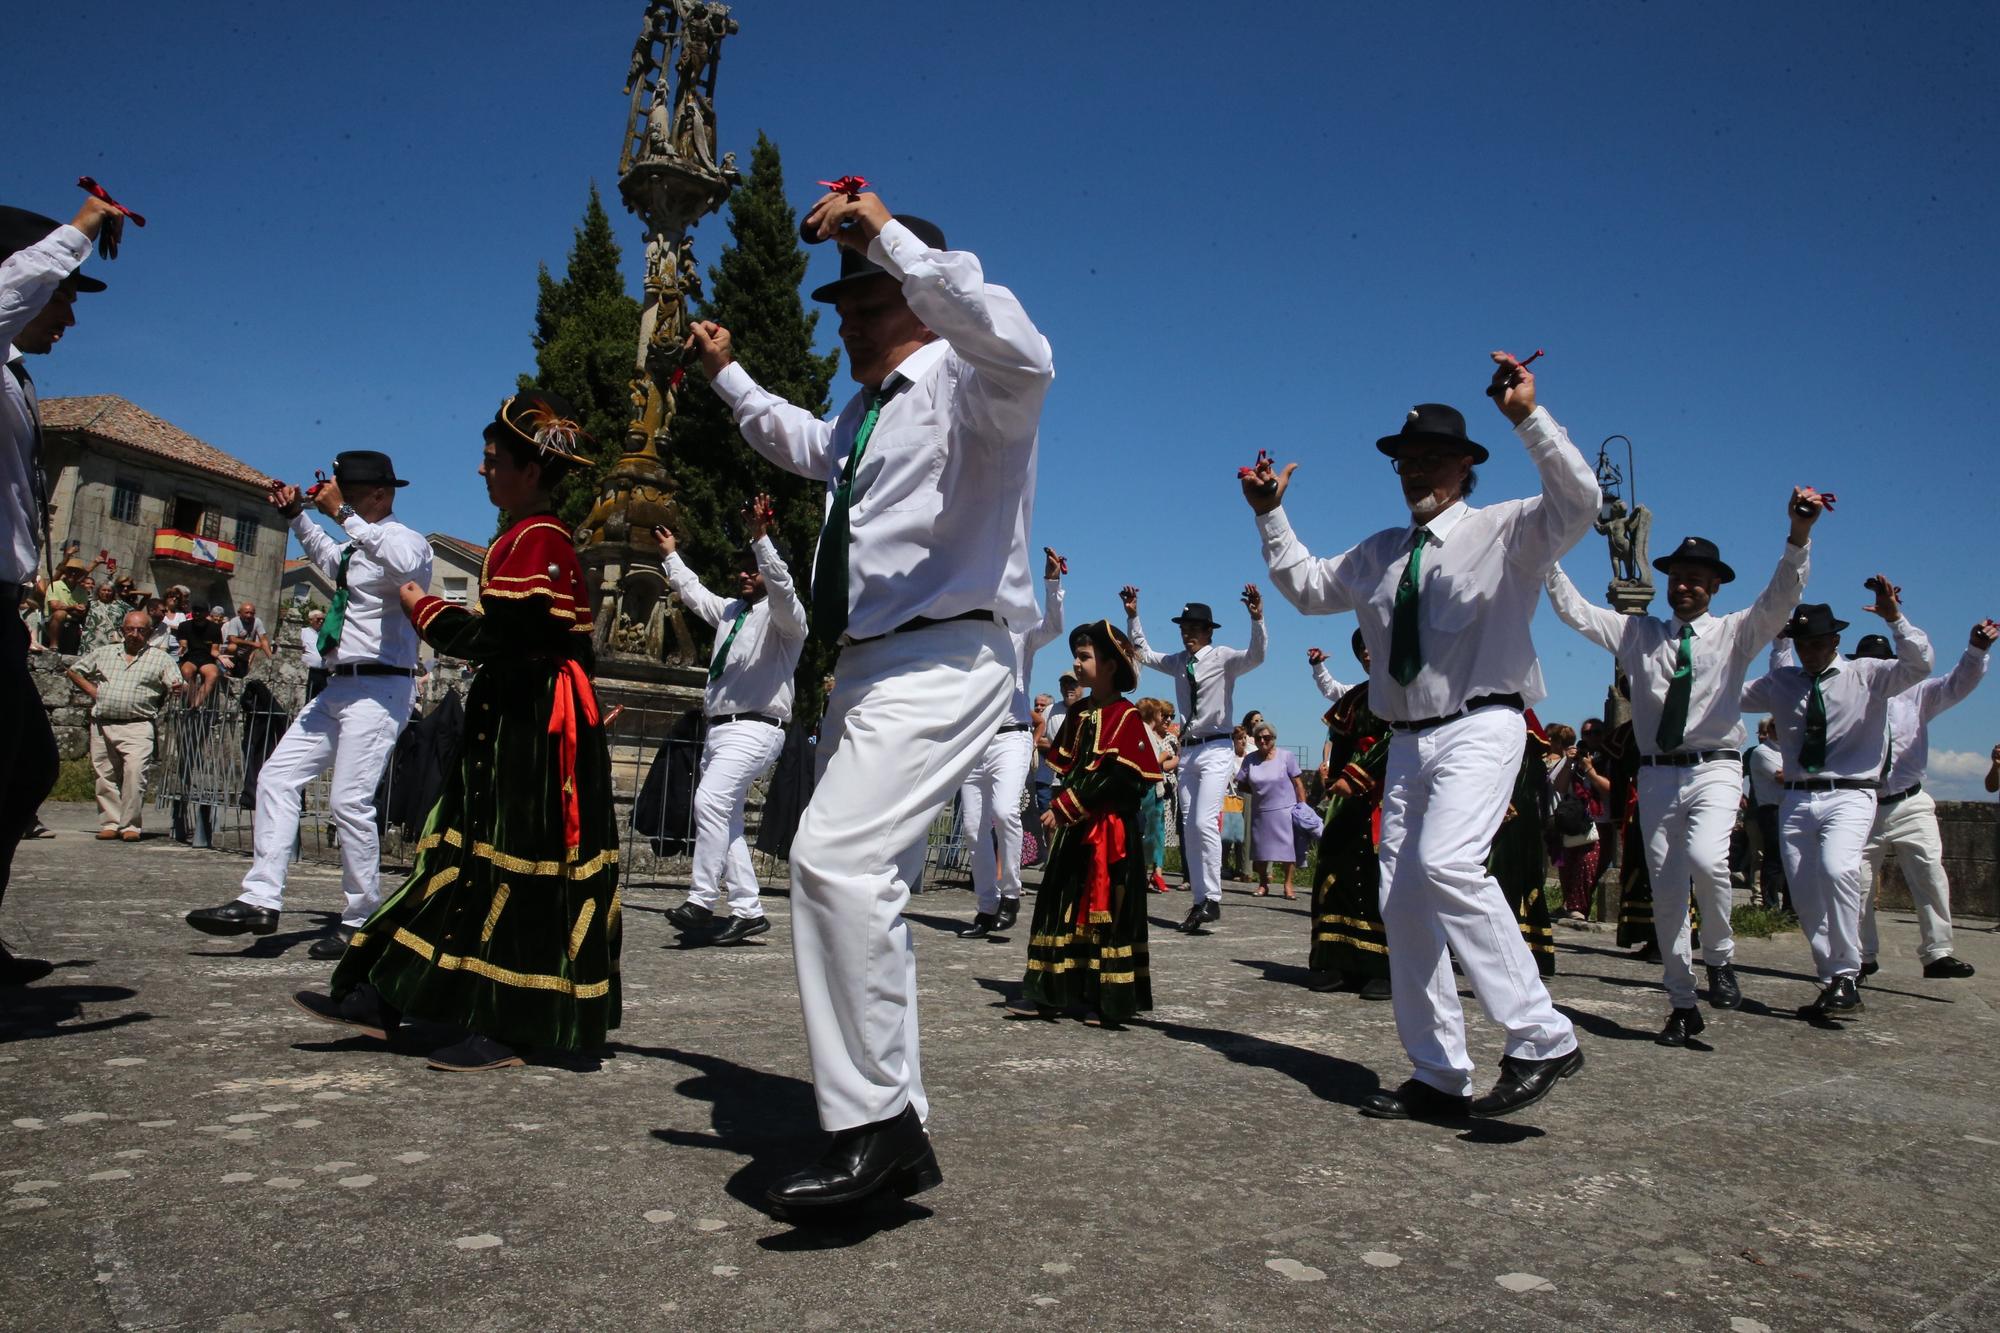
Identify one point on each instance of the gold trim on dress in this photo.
(595, 990)
(439, 880)
(493, 915)
(582, 925)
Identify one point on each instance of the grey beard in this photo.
(1427, 507)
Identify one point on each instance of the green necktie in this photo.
(1194, 690)
(722, 653)
(829, 609)
(1812, 754)
(1406, 652)
(336, 615)
(1674, 716)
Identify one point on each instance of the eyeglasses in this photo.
(1267, 736)
(1404, 465)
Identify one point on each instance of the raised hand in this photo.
(326, 498)
(1804, 509)
(1888, 602)
(1513, 387)
(285, 499)
(758, 516)
(852, 221)
(1253, 598)
(1264, 485)
(665, 537)
(710, 341)
(1984, 634)
(1053, 565)
(1129, 595)
(1315, 655)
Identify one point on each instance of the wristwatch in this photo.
(345, 512)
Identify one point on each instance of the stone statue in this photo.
(1627, 531)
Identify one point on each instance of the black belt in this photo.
(1212, 736)
(922, 622)
(1012, 727)
(370, 669)
(1902, 795)
(723, 719)
(1833, 784)
(1512, 701)
(1687, 760)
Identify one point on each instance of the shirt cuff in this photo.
(896, 248)
(1275, 528)
(74, 245)
(1538, 427)
(733, 385)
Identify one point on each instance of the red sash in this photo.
(573, 698)
(1104, 836)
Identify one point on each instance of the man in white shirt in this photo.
(991, 796)
(1204, 673)
(1444, 603)
(39, 283)
(1687, 674)
(1765, 769)
(1833, 728)
(370, 651)
(1906, 815)
(758, 635)
(922, 564)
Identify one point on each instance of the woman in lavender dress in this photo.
(1272, 775)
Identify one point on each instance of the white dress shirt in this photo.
(386, 556)
(1481, 574)
(1051, 726)
(1328, 686)
(309, 648)
(759, 675)
(1215, 671)
(1647, 649)
(28, 278)
(1766, 768)
(1856, 692)
(1030, 640)
(945, 494)
(1910, 715)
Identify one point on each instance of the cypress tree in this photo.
(753, 291)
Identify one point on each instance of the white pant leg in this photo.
(976, 804)
(1873, 854)
(1447, 791)
(1910, 827)
(1824, 833)
(1664, 818)
(1714, 795)
(301, 755)
(909, 717)
(370, 717)
(1016, 754)
(1205, 778)
(734, 756)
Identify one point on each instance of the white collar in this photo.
(914, 366)
(1442, 522)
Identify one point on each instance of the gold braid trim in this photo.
(595, 990)
(451, 836)
(1368, 946)
(439, 880)
(493, 916)
(616, 910)
(522, 866)
(582, 925)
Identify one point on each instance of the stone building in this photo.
(169, 508)
(455, 567)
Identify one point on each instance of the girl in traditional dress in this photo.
(1350, 949)
(508, 926)
(1087, 944)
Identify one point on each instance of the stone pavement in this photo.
(179, 1147)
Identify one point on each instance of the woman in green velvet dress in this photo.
(1520, 856)
(1350, 949)
(508, 926)
(1087, 943)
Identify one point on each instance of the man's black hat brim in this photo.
(856, 268)
(1393, 445)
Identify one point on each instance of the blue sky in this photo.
(1756, 239)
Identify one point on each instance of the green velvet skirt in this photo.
(1635, 889)
(1099, 965)
(1347, 934)
(501, 928)
(1521, 863)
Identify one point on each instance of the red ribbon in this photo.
(94, 188)
(573, 698)
(851, 186)
(1104, 835)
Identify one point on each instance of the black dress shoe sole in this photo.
(1437, 1115)
(210, 926)
(730, 935)
(1569, 1071)
(377, 1031)
(330, 949)
(916, 1174)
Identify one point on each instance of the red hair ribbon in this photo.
(851, 186)
(86, 183)
(573, 699)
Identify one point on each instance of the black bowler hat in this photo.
(1810, 620)
(1874, 645)
(856, 266)
(1697, 551)
(1110, 643)
(1432, 423)
(1196, 613)
(20, 229)
(365, 467)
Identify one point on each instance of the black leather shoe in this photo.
(982, 926)
(1947, 966)
(329, 948)
(741, 928)
(1681, 1024)
(1192, 924)
(237, 918)
(1650, 953)
(16, 971)
(890, 1155)
(1324, 982)
(1870, 968)
(1010, 912)
(1525, 1082)
(1415, 1100)
(690, 916)
(474, 1055)
(361, 1009)
(1843, 999)
(1376, 988)
(1723, 992)
(1212, 910)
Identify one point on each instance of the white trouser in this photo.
(351, 726)
(909, 717)
(1909, 828)
(1446, 791)
(991, 799)
(1823, 834)
(735, 755)
(1687, 815)
(1205, 773)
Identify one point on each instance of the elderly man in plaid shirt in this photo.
(127, 682)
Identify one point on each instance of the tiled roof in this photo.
(109, 417)
(467, 551)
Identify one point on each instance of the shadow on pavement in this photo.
(1327, 1077)
(1290, 974)
(1597, 1025)
(37, 1012)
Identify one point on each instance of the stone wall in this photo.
(69, 707)
(1971, 860)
